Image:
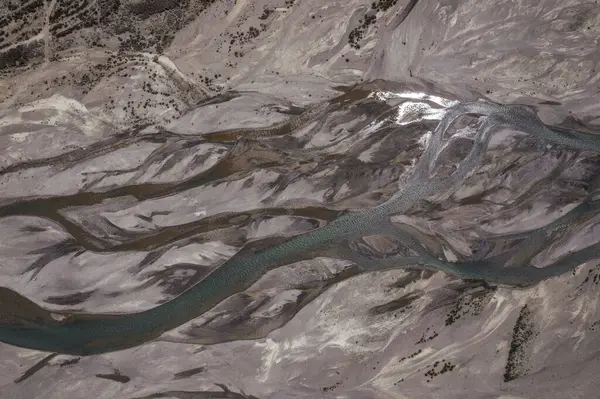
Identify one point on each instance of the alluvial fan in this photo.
(293, 199)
